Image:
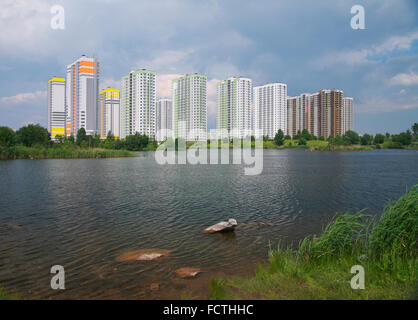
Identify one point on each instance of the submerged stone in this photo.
(187, 272)
(142, 255)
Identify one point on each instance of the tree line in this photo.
(353, 138)
(36, 136)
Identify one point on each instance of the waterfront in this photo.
(83, 213)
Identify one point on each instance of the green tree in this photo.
(7, 137)
(306, 135)
(302, 142)
(287, 137)
(352, 137)
(59, 138)
(81, 136)
(33, 134)
(379, 138)
(366, 139)
(404, 138)
(279, 138)
(415, 129)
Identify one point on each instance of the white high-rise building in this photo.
(138, 103)
(347, 114)
(164, 119)
(56, 107)
(109, 113)
(234, 107)
(270, 109)
(189, 107)
(82, 96)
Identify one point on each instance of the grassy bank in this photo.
(60, 152)
(7, 296)
(320, 268)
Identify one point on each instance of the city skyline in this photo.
(377, 66)
(242, 110)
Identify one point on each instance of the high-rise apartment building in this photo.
(270, 109)
(189, 107)
(164, 119)
(56, 107)
(138, 103)
(321, 113)
(298, 113)
(82, 96)
(109, 113)
(234, 107)
(347, 114)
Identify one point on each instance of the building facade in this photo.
(56, 107)
(270, 109)
(189, 107)
(234, 107)
(347, 114)
(321, 113)
(164, 119)
(82, 96)
(138, 103)
(109, 113)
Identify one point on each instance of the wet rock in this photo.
(187, 272)
(223, 226)
(154, 287)
(142, 255)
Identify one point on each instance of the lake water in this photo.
(82, 214)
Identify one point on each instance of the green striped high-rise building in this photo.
(189, 107)
(138, 103)
(234, 108)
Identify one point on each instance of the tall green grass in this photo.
(7, 296)
(22, 152)
(319, 268)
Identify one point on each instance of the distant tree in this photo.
(81, 136)
(387, 135)
(265, 138)
(352, 137)
(415, 129)
(7, 137)
(404, 138)
(59, 138)
(33, 134)
(306, 135)
(279, 138)
(110, 136)
(379, 138)
(298, 135)
(70, 139)
(302, 142)
(366, 139)
(287, 137)
(321, 138)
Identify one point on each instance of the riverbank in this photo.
(60, 152)
(7, 296)
(320, 267)
(320, 145)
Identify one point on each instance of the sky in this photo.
(309, 45)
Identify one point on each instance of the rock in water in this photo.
(154, 287)
(142, 255)
(187, 272)
(222, 226)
